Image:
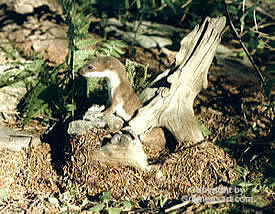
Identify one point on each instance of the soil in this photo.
(237, 116)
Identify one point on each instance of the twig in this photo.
(255, 20)
(32, 204)
(178, 206)
(243, 46)
(186, 10)
(243, 9)
(5, 208)
(264, 25)
(186, 4)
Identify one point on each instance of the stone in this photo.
(11, 95)
(57, 50)
(95, 115)
(15, 140)
(80, 127)
(155, 139)
(28, 6)
(162, 41)
(94, 118)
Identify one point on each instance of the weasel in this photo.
(121, 97)
(124, 102)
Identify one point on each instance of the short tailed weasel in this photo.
(122, 99)
(124, 102)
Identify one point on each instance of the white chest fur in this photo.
(112, 78)
(121, 112)
(113, 82)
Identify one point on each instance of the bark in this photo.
(171, 106)
(169, 99)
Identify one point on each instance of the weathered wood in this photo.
(168, 102)
(172, 105)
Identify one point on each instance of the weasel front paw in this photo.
(108, 111)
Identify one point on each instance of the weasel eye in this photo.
(90, 67)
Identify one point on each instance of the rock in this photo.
(146, 36)
(94, 118)
(57, 50)
(11, 95)
(28, 6)
(38, 32)
(162, 41)
(95, 115)
(153, 136)
(79, 127)
(237, 69)
(40, 46)
(145, 41)
(14, 140)
(9, 99)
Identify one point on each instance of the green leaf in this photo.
(127, 5)
(261, 44)
(120, 51)
(120, 43)
(171, 5)
(84, 43)
(255, 190)
(115, 54)
(245, 184)
(138, 4)
(82, 55)
(254, 157)
(113, 210)
(127, 205)
(241, 54)
(205, 131)
(163, 200)
(3, 194)
(253, 44)
(97, 208)
(71, 107)
(105, 197)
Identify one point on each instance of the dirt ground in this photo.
(236, 115)
(32, 178)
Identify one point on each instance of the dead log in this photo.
(171, 105)
(168, 100)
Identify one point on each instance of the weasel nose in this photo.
(80, 71)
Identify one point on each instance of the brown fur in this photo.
(121, 93)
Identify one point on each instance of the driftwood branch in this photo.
(172, 104)
(168, 101)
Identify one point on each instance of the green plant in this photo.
(243, 182)
(22, 72)
(137, 82)
(104, 205)
(205, 131)
(163, 200)
(251, 29)
(53, 92)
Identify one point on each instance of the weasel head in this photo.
(102, 66)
